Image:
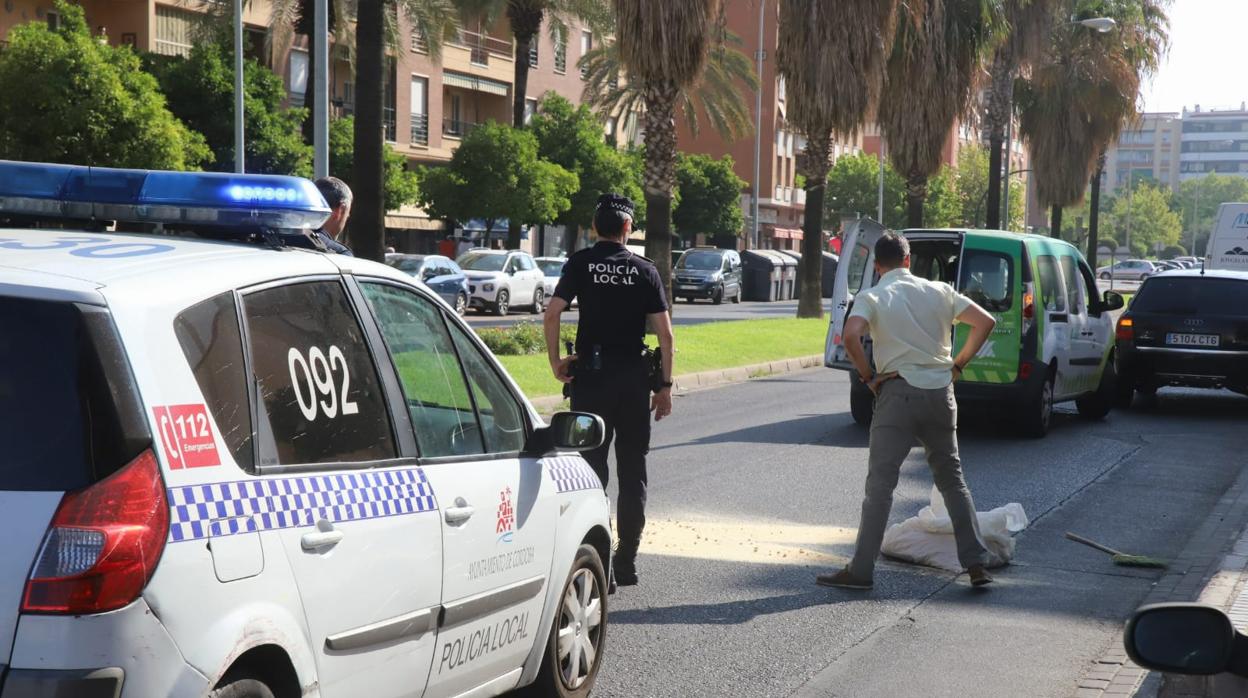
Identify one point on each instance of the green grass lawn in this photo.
(700, 348)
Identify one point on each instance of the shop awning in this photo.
(472, 82)
(787, 233)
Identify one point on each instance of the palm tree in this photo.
(664, 46)
(290, 17)
(717, 95)
(1029, 23)
(928, 84)
(833, 69)
(376, 27)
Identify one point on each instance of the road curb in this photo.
(1212, 569)
(690, 382)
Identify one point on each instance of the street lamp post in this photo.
(239, 144)
(320, 91)
(758, 127)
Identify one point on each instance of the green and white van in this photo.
(1054, 338)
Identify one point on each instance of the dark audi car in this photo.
(1185, 328)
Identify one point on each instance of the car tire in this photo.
(539, 300)
(1105, 276)
(242, 688)
(718, 296)
(737, 297)
(861, 401)
(1143, 278)
(461, 304)
(1037, 415)
(502, 302)
(1124, 391)
(1096, 406)
(587, 582)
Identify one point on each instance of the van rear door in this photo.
(854, 272)
(1228, 246)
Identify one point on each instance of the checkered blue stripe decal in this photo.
(227, 508)
(572, 474)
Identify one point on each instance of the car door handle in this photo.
(325, 536)
(459, 513)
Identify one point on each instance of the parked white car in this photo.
(552, 268)
(1128, 270)
(500, 279)
(233, 468)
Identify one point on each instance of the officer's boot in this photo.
(624, 564)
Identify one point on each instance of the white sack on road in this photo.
(927, 539)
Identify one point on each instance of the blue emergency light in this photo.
(212, 199)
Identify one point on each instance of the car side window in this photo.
(858, 267)
(213, 345)
(526, 263)
(512, 266)
(502, 417)
(1091, 291)
(320, 395)
(433, 383)
(1070, 274)
(1051, 293)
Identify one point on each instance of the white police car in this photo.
(237, 469)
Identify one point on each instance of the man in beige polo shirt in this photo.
(911, 325)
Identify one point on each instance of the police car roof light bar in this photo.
(212, 199)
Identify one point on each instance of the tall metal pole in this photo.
(880, 202)
(239, 144)
(320, 91)
(1005, 178)
(758, 127)
(1196, 217)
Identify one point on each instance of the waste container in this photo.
(762, 275)
(828, 278)
(788, 287)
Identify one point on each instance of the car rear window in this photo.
(210, 339)
(988, 279)
(1192, 295)
(62, 426)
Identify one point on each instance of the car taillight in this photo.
(1024, 371)
(103, 543)
(1029, 305)
(1126, 329)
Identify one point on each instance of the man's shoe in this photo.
(625, 572)
(979, 576)
(843, 580)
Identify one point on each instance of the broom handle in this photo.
(1091, 544)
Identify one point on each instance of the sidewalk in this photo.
(1213, 569)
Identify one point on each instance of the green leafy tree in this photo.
(400, 184)
(943, 206)
(571, 137)
(1198, 201)
(1144, 218)
(70, 98)
(972, 183)
(710, 197)
(496, 174)
(1173, 251)
(200, 92)
(853, 190)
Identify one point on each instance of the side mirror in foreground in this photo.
(1186, 638)
(568, 431)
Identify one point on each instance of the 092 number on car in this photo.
(324, 376)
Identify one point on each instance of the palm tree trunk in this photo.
(1000, 96)
(916, 194)
(368, 212)
(1094, 211)
(660, 175)
(1055, 222)
(815, 165)
(524, 43)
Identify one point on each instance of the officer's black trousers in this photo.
(620, 394)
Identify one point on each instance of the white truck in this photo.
(1228, 245)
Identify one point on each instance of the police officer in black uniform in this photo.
(618, 293)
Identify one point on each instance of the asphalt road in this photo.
(755, 488)
(684, 314)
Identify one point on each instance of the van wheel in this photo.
(1038, 414)
(861, 401)
(719, 295)
(574, 650)
(1098, 404)
(242, 688)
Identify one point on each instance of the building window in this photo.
(54, 21)
(420, 43)
(781, 90)
(587, 44)
(420, 111)
(173, 31)
(533, 50)
(612, 125)
(530, 108)
(561, 53)
(298, 75)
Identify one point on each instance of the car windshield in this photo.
(480, 261)
(410, 265)
(1183, 295)
(700, 261)
(553, 267)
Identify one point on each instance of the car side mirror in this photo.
(1113, 301)
(568, 431)
(428, 274)
(1186, 638)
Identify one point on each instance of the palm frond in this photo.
(665, 42)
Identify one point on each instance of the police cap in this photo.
(616, 202)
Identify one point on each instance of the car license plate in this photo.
(1193, 340)
(686, 287)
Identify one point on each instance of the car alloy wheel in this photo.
(539, 300)
(503, 303)
(580, 622)
(461, 304)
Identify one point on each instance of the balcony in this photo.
(482, 47)
(390, 124)
(420, 129)
(456, 128)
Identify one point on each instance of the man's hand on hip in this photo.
(661, 404)
(878, 382)
(562, 368)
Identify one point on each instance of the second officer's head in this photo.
(613, 218)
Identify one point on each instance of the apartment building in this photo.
(781, 202)
(1148, 148)
(1214, 140)
(430, 105)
